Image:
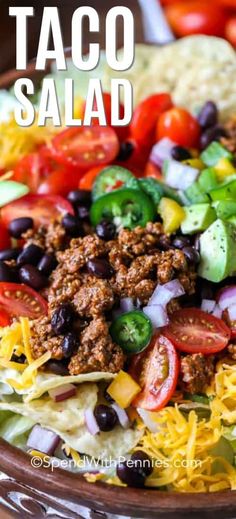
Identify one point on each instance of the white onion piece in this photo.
(91, 422)
(208, 305)
(148, 420)
(217, 312)
(161, 151)
(126, 304)
(122, 416)
(227, 297)
(43, 440)
(58, 394)
(232, 312)
(157, 314)
(180, 176)
(163, 294)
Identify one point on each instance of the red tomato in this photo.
(230, 31)
(180, 126)
(153, 171)
(227, 3)
(121, 131)
(85, 147)
(86, 182)
(5, 241)
(196, 16)
(230, 324)
(31, 169)
(42, 208)
(193, 331)
(60, 182)
(5, 319)
(157, 387)
(21, 300)
(145, 118)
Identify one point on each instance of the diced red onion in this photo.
(180, 176)
(43, 440)
(208, 305)
(147, 420)
(217, 312)
(161, 151)
(58, 394)
(122, 416)
(163, 294)
(232, 312)
(227, 297)
(91, 422)
(157, 314)
(126, 304)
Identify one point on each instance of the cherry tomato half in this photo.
(180, 126)
(231, 324)
(60, 182)
(5, 241)
(193, 331)
(85, 147)
(230, 31)
(5, 318)
(151, 170)
(87, 180)
(31, 169)
(196, 16)
(158, 385)
(42, 208)
(121, 131)
(145, 118)
(21, 300)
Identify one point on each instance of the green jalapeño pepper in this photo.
(111, 178)
(124, 207)
(132, 331)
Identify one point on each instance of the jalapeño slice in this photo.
(111, 178)
(132, 331)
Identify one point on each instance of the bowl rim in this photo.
(142, 503)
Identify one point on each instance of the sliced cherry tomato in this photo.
(193, 331)
(156, 370)
(85, 147)
(231, 324)
(180, 126)
(153, 171)
(121, 131)
(42, 208)
(145, 118)
(5, 318)
(87, 180)
(5, 241)
(31, 169)
(196, 16)
(60, 182)
(21, 300)
(230, 31)
(227, 3)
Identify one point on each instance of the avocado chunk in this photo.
(223, 449)
(214, 152)
(195, 194)
(218, 251)
(198, 217)
(232, 220)
(207, 180)
(224, 192)
(225, 209)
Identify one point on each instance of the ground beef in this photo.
(80, 251)
(52, 238)
(94, 297)
(196, 372)
(232, 351)
(43, 339)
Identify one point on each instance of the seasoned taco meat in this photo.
(196, 372)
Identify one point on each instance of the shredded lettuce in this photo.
(13, 428)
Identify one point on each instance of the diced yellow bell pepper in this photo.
(123, 389)
(195, 163)
(171, 213)
(224, 168)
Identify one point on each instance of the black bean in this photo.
(6, 273)
(9, 254)
(107, 397)
(30, 255)
(209, 115)
(80, 197)
(47, 264)
(101, 268)
(179, 242)
(126, 150)
(142, 461)
(207, 290)
(191, 254)
(20, 359)
(197, 242)
(179, 153)
(129, 475)
(69, 344)
(212, 134)
(57, 367)
(82, 212)
(62, 319)
(106, 417)
(106, 230)
(163, 242)
(31, 276)
(72, 225)
(18, 226)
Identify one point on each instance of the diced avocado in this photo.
(214, 152)
(232, 220)
(225, 208)
(10, 190)
(207, 180)
(195, 194)
(157, 189)
(218, 251)
(224, 192)
(223, 449)
(198, 217)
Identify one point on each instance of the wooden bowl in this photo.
(141, 503)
